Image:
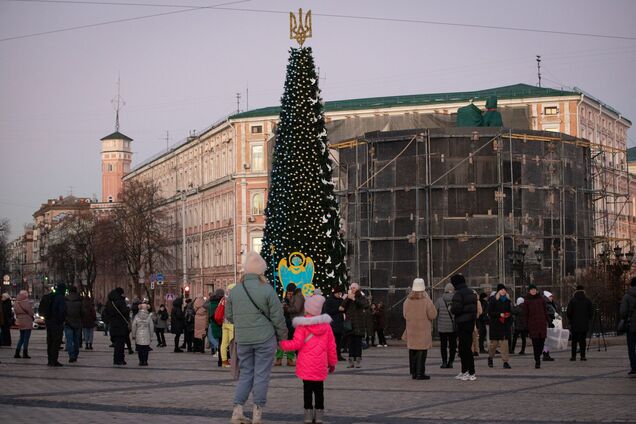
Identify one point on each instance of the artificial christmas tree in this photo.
(302, 242)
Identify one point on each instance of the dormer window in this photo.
(550, 110)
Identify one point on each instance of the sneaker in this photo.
(461, 375)
(386, 345)
(506, 365)
(469, 377)
(238, 417)
(309, 416)
(257, 414)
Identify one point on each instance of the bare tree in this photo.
(139, 231)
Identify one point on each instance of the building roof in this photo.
(516, 91)
(117, 136)
(631, 154)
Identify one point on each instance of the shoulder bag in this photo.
(256, 306)
(122, 315)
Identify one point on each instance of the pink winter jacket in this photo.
(316, 346)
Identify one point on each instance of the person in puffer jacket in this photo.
(316, 346)
(141, 333)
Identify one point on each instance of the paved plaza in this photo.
(190, 388)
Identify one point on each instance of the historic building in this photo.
(219, 177)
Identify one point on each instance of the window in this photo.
(257, 129)
(258, 158)
(257, 204)
(550, 110)
(110, 167)
(110, 199)
(257, 243)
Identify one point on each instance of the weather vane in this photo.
(298, 29)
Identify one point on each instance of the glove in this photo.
(332, 368)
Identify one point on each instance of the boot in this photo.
(25, 354)
(537, 364)
(238, 417)
(490, 364)
(278, 362)
(450, 364)
(319, 415)
(17, 354)
(547, 357)
(350, 363)
(358, 361)
(257, 414)
(291, 363)
(309, 416)
(444, 364)
(506, 365)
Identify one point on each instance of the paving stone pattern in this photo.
(190, 388)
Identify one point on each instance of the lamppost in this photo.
(517, 258)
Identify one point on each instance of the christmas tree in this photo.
(302, 242)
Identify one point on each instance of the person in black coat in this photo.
(117, 315)
(500, 313)
(464, 309)
(177, 322)
(55, 325)
(353, 305)
(580, 312)
(8, 319)
(331, 307)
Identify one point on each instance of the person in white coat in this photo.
(141, 333)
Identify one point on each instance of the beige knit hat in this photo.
(254, 264)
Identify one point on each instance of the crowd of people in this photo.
(250, 330)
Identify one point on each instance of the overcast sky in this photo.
(181, 70)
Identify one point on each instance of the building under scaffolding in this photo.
(434, 202)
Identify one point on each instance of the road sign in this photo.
(160, 277)
(169, 297)
(152, 285)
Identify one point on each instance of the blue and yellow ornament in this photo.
(298, 269)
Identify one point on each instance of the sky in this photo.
(181, 62)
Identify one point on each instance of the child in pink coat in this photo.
(316, 346)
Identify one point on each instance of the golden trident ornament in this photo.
(297, 29)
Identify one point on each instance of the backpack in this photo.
(219, 312)
(45, 306)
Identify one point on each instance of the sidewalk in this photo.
(190, 388)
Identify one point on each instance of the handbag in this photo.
(451, 318)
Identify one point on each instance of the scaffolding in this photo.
(433, 202)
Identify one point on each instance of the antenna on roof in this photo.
(167, 139)
(247, 96)
(238, 102)
(118, 103)
(539, 68)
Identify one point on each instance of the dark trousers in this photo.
(311, 390)
(53, 341)
(177, 336)
(355, 346)
(519, 333)
(417, 363)
(448, 342)
(338, 337)
(482, 328)
(118, 352)
(631, 349)
(578, 340)
(199, 345)
(381, 339)
(161, 337)
(142, 353)
(189, 339)
(465, 334)
(6, 334)
(537, 348)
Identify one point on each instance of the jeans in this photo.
(631, 349)
(88, 335)
(578, 339)
(72, 336)
(255, 365)
(214, 343)
(448, 347)
(311, 390)
(53, 341)
(25, 335)
(465, 334)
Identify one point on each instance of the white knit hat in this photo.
(547, 294)
(254, 264)
(419, 285)
(520, 300)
